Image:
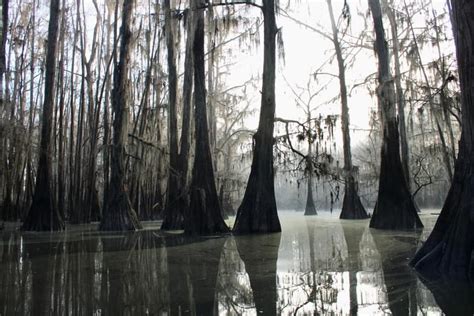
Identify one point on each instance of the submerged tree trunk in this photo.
(258, 211)
(43, 215)
(449, 248)
(119, 214)
(204, 214)
(352, 207)
(395, 208)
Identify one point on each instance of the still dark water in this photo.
(317, 266)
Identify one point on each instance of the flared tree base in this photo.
(310, 210)
(258, 213)
(173, 217)
(395, 208)
(201, 219)
(42, 215)
(119, 215)
(449, 248)
(352, 207)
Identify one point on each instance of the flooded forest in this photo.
(236, 157)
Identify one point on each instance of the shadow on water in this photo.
(317, 266)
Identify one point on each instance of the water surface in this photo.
(317, 266)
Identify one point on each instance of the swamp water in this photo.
(317, 266)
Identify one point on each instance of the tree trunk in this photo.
(61, 84)
(119, 214)
(42, 214)
(449, 248)
(204, 215)
(395, 208)
(258, 211)
(400, 98)
(310, 208)
(352, 207)
(172, 214)
(3, 143)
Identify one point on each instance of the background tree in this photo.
(352, 207)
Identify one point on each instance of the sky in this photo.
(306, 51)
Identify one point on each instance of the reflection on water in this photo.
(317, 266)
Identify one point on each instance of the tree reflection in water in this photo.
(316, 266)
(453, 296)
(260, 254)
(396, 249)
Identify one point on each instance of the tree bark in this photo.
(395, 208)
(204, 215)
(449, 248)
(43, 215)
(258, 211)
(119, 214)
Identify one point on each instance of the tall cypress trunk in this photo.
(204, 214)
(172, 214)
(258, 211)
(42, 214)
(399, 91)
(210, 80)
(3, 138)
(395, 208)
(119, 214)
(352, 207)
(449, 248)
(61, 183)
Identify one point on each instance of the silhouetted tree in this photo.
(258, 211)
(449, 248)
(204, 214)
(119, 214)
(395, 208)
(43, 214)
